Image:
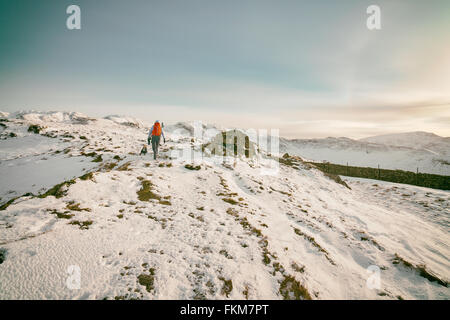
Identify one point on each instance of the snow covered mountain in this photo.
(77, 199)
(418, 140)
(407, 151)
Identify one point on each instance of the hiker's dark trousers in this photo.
(155, 145)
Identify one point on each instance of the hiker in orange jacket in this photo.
(155, 136)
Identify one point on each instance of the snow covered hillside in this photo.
(75, 195)
(407, 151)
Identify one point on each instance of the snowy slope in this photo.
(145, 229)
(426, 151)
(418, 140)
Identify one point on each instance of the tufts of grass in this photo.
(233, 213)
(225, 254)
(7, 204)
(60, 215)
(421, 270)
(293, 161)
(2, 255)
(266, 259)
(165, 202)
(124, 167)
(109, 166)
(297, 268)
(336, 179)
(282, 192)
(146, 194)
(315, 244)
(34, 128)
(230, 201)
(364, 237)
(76, 207)
(192, 167)
(167, 165)
(90, 154)
(58, 191)
(147, 280)
(84, 225)
(198, 294)
(245, 292)
(291, 289)
(98, 158)
(87, 176)
(227, 286)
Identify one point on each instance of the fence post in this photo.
(378, 172)
(417, 176)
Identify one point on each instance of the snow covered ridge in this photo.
(70, 118)
(83, 216)
(416, 140)
(51, 116)
(426, 152)
(127, 121)
(4, 115)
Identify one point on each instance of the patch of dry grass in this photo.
(84, 225)
(291, 289)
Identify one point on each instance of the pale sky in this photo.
(308, 68)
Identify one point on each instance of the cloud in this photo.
(298, 66)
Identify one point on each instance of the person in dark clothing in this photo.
(154, 135)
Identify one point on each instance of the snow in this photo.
(31, 174)
(426, 152)
(417, 139)
(50, 116)
(128, 121)
(187, 238)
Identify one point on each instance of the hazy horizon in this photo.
(149, 121)
(310, 69)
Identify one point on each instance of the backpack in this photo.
(156, 129)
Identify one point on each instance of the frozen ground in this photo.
(143, 229)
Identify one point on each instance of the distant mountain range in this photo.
(410, 151)
(426, 151)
